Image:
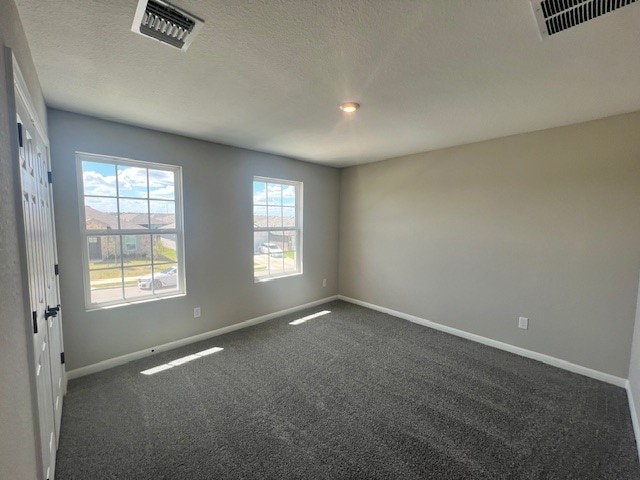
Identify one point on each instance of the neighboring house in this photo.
(104, 247)
(282, 238)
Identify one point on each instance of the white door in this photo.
(43, 286)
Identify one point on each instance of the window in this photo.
(277, 228)
(131, 219)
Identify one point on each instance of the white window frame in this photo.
(86, 233)
(298, 229)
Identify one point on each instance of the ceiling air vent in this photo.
(166, 23)
(557, 15)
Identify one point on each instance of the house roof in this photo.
(109, 220)
(262, 222)
(129, 220)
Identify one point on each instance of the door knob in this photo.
(51, 312)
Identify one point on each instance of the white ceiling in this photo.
(269, 75)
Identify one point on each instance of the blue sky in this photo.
(138, 184)
(278, 195)
(100, 180)
(281, 199)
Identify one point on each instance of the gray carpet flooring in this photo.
(352, 394)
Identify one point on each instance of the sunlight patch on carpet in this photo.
(309, 317)
(181, 361)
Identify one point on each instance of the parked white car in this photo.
(166, 278)
(272, 249)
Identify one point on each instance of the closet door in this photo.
(39, 238)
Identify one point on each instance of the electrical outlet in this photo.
(523, 323)
(196, 312)
(324, 282)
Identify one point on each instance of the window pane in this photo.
(138, 281)
(290, 264)
(289, 195)
(104, 251)
(134, 214)
(260, 217)
(288, 217)
(163, 214)
(101, 213)
(132, 181)
(290, 241)
(259, 239)
(276, 237)
(275, 217)
(260, 266)
(161, 184)
(106, 285)
(136, 250)
(274, 191)
(99, 179)
(164, 248)
(259, 193)
(165, 278)
(261, 254)
(276, 263)
(275, 252)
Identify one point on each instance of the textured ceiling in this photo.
(269, 75)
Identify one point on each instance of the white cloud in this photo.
(133, 206)
(98, 184)
(107, 205)
(160, 178)
(132, 182)
(278, 194)
(167, 191)
(289, 195)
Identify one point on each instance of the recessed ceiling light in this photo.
(349, 107)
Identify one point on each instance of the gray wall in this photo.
(634, 364)
(19, 454)
(218, 224)
(544, 225)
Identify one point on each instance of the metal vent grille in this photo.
(166, 23)
(557, 15)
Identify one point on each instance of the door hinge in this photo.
(56, 269)
(50, 177)
(34, 315)
(20, 137)
(61, 357)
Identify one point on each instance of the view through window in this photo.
(132, 227)
(277, 230)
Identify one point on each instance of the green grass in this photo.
(164, 253)
(133, 268)
(128, 283)
(109, 264)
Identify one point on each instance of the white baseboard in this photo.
(634, 416)
(121, 360)
(556, 362)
